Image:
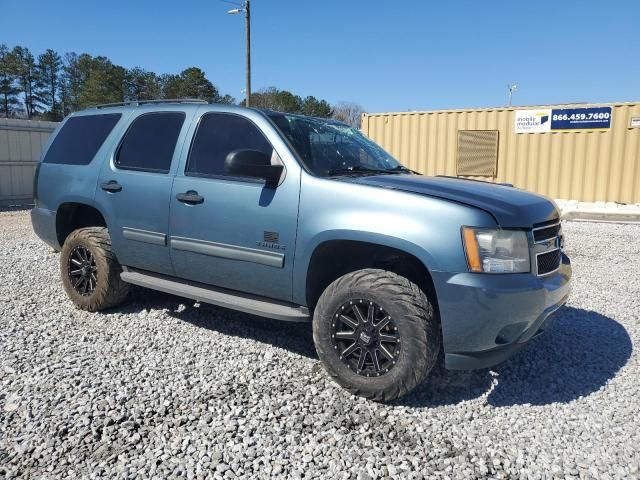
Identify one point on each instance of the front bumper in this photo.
(486, 318)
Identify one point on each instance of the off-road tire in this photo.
(109, 290)
(413, 316)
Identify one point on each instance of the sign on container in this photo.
(558, 119)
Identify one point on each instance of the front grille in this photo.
(549, 262)
(545, 233)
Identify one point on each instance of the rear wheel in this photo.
(90, 271)
(376, 334)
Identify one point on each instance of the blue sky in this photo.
(386, 55)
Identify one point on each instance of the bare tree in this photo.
(349, 113)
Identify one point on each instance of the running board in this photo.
(222, 297)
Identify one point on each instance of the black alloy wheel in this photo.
(82, 270)
(90, 270)
(365, 337)
(376, 333)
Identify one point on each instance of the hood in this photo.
(510, 206)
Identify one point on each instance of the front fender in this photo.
(425, 227)
(305, 253)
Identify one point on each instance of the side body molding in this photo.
(203, 247)
(144, 236)
(232, 252)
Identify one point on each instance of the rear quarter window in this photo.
(150, 142)
(80, 139)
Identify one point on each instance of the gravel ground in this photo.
(163, 387)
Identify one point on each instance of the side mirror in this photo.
(255, 164)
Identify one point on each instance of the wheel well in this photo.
(336, 258)
(71, 216)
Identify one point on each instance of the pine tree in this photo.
(316, 108)
(8, 90)
(73, 79)
(194, 84)
(104, 82)
(191, 83)
(27, 75)
(171, 85)
(57, 86)
(279, 100)
(226, 99)
(49, 67)
(142, 85)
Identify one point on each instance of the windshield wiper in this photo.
(357, 169)
(402, 168)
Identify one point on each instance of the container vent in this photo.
(477, 153)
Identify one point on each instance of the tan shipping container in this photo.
(586, 164)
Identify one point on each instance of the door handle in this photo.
(111, 186)
(191, 197)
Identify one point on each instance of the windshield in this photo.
(330, 148)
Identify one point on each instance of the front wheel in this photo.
(376, 334)
(90, 271)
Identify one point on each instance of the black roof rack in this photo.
(144, 102)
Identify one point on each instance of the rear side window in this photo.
(150, 142)
(80, 139)
(219, 134)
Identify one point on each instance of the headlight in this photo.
(496, 251)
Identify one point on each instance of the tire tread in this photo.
(418, 311)
(113, 291)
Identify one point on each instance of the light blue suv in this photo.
(300, 219)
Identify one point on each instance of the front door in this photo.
(229, 231)
(134, 188)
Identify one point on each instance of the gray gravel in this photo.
(163, 387)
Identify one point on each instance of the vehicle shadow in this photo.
(292, 336)
(581, 352)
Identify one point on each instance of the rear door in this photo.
(236, 233)
(135, 185)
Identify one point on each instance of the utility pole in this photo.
(247, 28)
(512, 88)
(245, 8)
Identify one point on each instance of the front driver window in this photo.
(217, 135)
